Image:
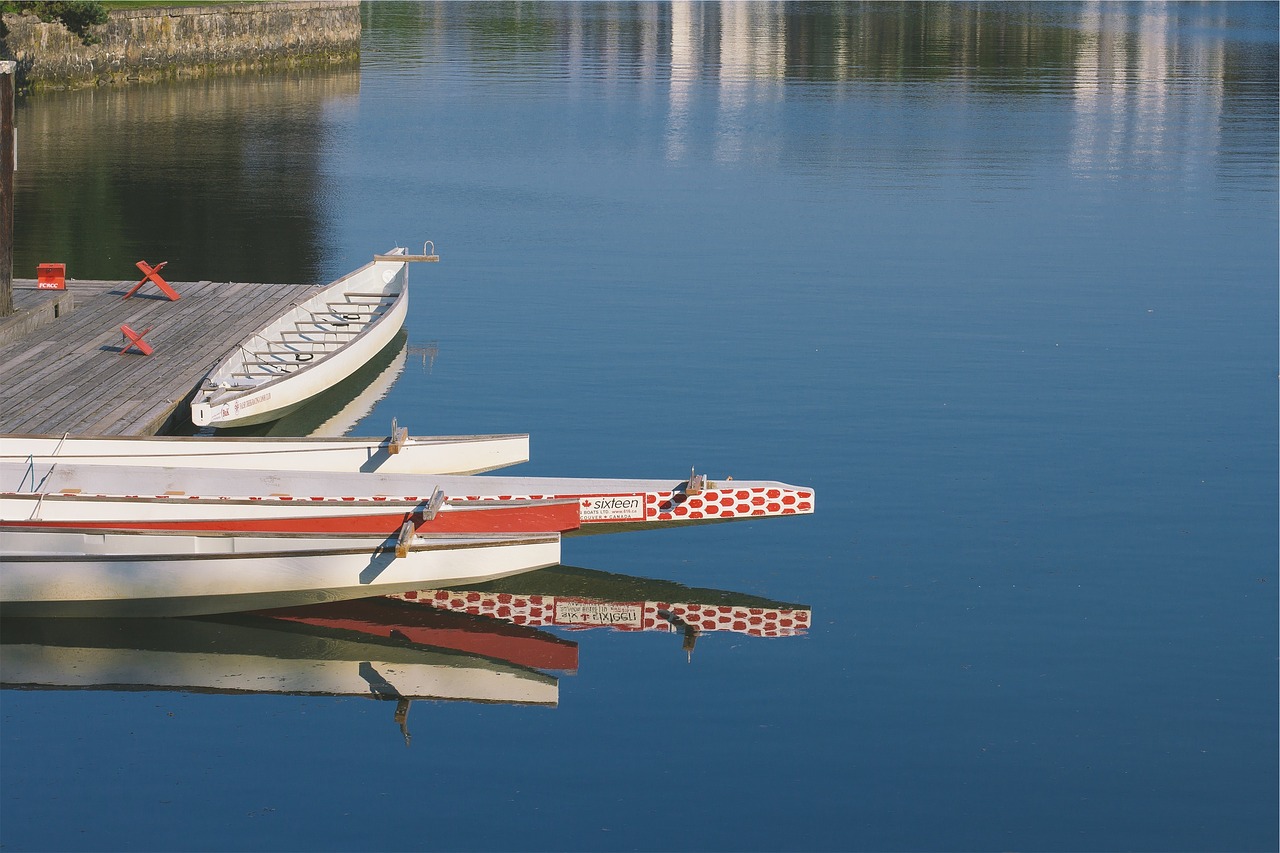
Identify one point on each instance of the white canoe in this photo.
(394, 454)
(247, 655)
(52, 491)
(132, 573)
(313, 346)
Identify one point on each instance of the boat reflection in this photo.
(460, 632)
(482, 643)
(576, 598)
(371, 655)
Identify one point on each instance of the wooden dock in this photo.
(63, 367)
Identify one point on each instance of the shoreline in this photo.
(157, 43)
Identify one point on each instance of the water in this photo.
(999, 282)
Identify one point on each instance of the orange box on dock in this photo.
(51, 277)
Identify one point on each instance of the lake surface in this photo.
(998, 281)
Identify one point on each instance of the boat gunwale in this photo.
(451, 455)
(458, 504)
(346, 442)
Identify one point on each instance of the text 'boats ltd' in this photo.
(313, 346)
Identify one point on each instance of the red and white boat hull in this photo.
(605, 505)
(614, 507)
(317, 515)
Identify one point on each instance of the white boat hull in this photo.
(606, 505)
(311, 348)
(72, 573)
(446, 454)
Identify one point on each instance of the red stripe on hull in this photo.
(551, 518)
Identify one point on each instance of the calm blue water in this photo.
(998, 281)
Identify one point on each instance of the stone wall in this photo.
(157, 42)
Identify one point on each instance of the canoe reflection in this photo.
(481, 643)
(460, 632)
(257, 654)
(576, 598)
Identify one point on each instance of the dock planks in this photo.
(69, 375)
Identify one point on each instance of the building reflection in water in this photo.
(1134, 76)
(1134, 85)
(684, 71)
(1131, 79)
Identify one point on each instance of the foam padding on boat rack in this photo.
(543, 611)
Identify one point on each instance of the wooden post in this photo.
(8, 70)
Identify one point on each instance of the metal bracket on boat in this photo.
(399, 435)
(403, 540)
(433, 506)
(428, 513)
(697, 482)
(428, 255)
